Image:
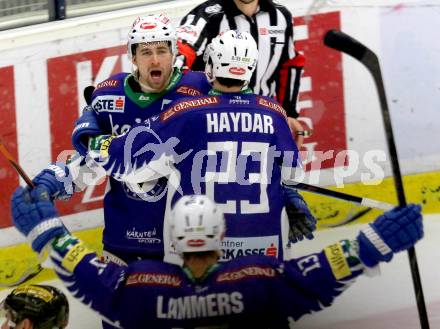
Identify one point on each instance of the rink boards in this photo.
(383, 302)
(45, 68)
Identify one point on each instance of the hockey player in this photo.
(35, 307)
(247, 292)
(127, 236)
(118, 103)
(280, 65)
(243, 141)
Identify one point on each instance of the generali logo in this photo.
(148, 26)
(237, 70)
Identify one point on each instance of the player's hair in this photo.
(228, 82)
(201, 254)
(45, 306)
(136, 45)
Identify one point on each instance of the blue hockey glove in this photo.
(57, 180)
(85, 126)
(301, 221)
(394, 231)
(35, 216)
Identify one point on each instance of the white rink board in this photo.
(386, 301)
(383, 302)
(403, 33)
(400, 32)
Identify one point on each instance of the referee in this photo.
(279, 65)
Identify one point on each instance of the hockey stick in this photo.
(366, 202)
(346, 44)
(26, 276)
(30, 273)
(371, 203)
(349, 219)
(15, 164)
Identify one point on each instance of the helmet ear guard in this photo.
(208, 68)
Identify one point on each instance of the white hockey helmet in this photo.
(152, 28)
(196, 224)
(233, 55)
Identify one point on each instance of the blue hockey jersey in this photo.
(247, 292)
(231, 147)
(133, 227)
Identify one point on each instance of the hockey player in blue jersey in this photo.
(232, 146)
(118, 103)
(247, 292)
(126, 234)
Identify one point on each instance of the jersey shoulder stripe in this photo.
(270, 104)
(113, 83)
(188, 104)
(193, 84)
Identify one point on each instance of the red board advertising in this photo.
(322, 106)
(8, 176)
(323, 68)
(63, 109)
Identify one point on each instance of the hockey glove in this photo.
(85, 127)
(98, 148)
(187, 55)
(301, 221)
(35, 216)
(57, 180)
(394, 231)
(187, 37)
(290, 75)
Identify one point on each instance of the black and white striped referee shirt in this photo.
(272, 29)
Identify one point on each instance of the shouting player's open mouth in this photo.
(156, 76)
